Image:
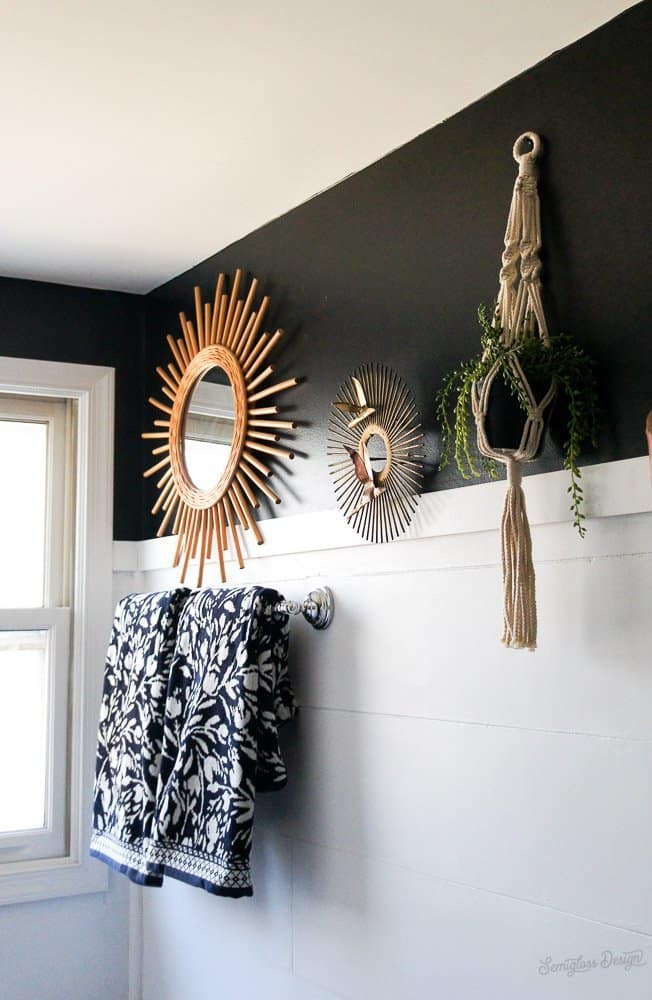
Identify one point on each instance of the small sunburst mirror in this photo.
(219, 427)
(375, 445)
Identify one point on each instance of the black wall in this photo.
(84, 326)
(391, 264)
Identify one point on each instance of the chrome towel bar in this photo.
(317, 608)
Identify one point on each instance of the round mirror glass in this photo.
(209, 428)
(377, 452)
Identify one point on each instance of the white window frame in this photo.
(74, 872)
(53, 617)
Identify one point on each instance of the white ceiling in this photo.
(138, 138)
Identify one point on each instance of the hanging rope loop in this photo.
(527, 156)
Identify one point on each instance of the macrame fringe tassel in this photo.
(520, 615)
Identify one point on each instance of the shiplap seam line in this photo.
(441, 720)
(525, 900)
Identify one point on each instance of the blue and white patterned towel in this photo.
(228, 693)
(130, 733)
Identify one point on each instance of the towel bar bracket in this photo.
(317, 608)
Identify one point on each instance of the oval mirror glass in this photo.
(209, 428)
(377, 452)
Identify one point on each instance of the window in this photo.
(56, 431)
(35, 620)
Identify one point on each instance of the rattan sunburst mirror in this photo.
(218, 418)
(375, 446)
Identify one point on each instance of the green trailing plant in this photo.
(563, 362)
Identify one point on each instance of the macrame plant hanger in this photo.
(519, 313)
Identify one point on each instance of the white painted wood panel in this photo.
(551, 818)
(455, 812)
(418, 623)
(427, 644)
(196, 920)
(199, 947)
(375, 931)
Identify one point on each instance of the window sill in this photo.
(50, 878)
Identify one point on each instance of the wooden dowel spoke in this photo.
(235, 288)
(174, 372)
(197, 535)
(169, 500)
(177, 519)
(262, 486)
(224, 542)
(193, 335)
(188, 335)
(249, 515)
(247, 490)
(183, 351)
(154, 468)
(261, 378)
(160, 406)
(166, 378)
(255, 351)
(168, 515)
(164, 478)
(222, 318)
(180, 525)
(245, 352)
(233, 528)
(237, 507)
(209, 519)
(175, 351)
(207, 335)
(244, 336)
(262, 436)
(287, 425)
(244, 317)
(263, 411)
(217, 530)
(170, 395)
(267, 350)
(216, 307)
(257, 464)
(199, 313)
(270, 449)
(191, 535)
(163, 495)
(289, 383)
(234, 323)
(154, 435)
(203, 540)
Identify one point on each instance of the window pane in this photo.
(23, 729)
(23, 449)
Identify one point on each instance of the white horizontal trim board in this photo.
(611, 489)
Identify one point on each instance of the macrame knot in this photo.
(530, 263)
(507, 272)
(514, 473)
(526, 182)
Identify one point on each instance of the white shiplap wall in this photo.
(456, 812)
